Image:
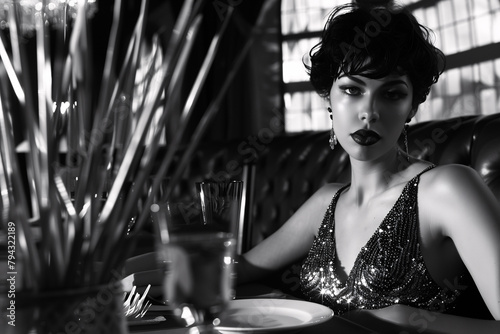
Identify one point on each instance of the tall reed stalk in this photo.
(67, 233)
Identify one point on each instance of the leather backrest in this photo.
(283, 171)
(294, 166)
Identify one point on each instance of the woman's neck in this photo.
(371, 178)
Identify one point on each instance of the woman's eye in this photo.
(395, 95)
(351, 90)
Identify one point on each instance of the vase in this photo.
(86, 310)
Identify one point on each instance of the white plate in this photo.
(271, 315)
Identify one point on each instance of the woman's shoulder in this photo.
(324, 195)
(449, 177)
(330, 189)
(455, 193)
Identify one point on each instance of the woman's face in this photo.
(369, 114)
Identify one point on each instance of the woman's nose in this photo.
(369, 113)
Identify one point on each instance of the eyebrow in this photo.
(388, 83)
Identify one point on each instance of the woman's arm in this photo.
(290, 242)
(469, 214)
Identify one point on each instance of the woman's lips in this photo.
(365, 137)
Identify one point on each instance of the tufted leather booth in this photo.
(282, 171)
(294, 166)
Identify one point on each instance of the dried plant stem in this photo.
(186, 114)
(179, 44)
(79, 240)
(124, 88)
(13, 179)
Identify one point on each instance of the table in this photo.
(336, 325)
(333, 326)
(359, 323)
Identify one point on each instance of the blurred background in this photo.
(272, 85)
(271, 88)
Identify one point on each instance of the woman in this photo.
(403, 233)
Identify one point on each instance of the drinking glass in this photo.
(197, 250)
(220, 204)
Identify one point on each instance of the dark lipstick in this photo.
(365, 137)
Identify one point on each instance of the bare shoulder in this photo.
(452, 179)
(323, 196)
(329, 189)
(455, 192)
(315, 207)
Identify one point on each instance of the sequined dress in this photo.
(388, 270)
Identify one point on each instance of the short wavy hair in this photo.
(375, 42)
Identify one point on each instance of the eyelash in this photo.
(391, 95)
(345, 90)
(398, 95)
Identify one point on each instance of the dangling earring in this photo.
(333, 137)
(405, 134)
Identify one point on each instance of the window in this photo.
(467, 31)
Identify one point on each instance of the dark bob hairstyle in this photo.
(375, 42)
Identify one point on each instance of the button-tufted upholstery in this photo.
(294, 166)
(281, 172)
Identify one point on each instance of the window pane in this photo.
(457, 25)
(293, 54)
(464, 36)
(461, 9)
(482, 26)
(452, 78)
(445, 13)
(432, 18)
(487, 74)
(449, 40)
(488, 101)
(480, 7)
(495, 5)
(496, 26)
